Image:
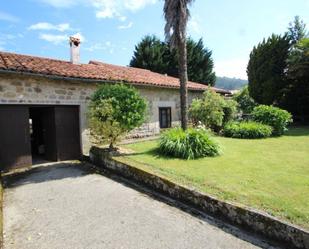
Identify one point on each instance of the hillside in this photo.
(230, 83)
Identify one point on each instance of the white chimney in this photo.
(74, 46)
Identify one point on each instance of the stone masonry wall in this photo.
(34, 90)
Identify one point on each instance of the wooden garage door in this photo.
(15, 147)
(67, 132)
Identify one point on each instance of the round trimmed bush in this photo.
(189, 144)
(247, 129)
(275, 117)
(114, 110)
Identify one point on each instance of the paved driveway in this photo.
(67, 206)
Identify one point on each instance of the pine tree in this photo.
(151, 54)
(297, 30)
(158, 57)
(200, 63)
(266, 69)
(296, 97)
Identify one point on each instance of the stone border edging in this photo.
(259, 222)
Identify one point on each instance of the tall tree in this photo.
(176, 14)
(266, 69)
(296, 97)
(158, 57)
(297, 30)
(278, 70)
(200, 63)
(151, 54)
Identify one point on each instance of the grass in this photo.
(271, 174)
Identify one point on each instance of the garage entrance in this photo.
(32, 134)
(38, 128)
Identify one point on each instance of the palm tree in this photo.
(176, 14)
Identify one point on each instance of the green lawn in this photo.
(269, 174)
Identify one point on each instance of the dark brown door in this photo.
(67, 132)
(165, 117)
(15, 146)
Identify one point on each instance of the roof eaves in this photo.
(91, 80)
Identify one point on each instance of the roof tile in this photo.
(94, 71)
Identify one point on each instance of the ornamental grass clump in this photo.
(247, 129)
(189, 144)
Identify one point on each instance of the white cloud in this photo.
(194, 24)
(6, 40)
(104, 8)
(55, 39)
(58, 39)
(59, 3)
(127, 26)
(137, 4)
(99, 46)
(117, 8)
(8, 17)
(48, 26)
(232, 68)
(7, 37)
(123, 18)
(106, 46)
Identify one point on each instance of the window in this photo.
(165, 117)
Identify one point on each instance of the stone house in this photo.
(43, 104)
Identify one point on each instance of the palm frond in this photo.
(176, 14)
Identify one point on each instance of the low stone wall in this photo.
(259, 222)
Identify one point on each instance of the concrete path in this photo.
(67, 206)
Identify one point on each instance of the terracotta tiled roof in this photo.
(92, 71)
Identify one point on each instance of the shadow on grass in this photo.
(298, 131)
(155, 153)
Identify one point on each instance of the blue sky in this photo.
(111, 28)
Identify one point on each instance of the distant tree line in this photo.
(230, 83)
(156, 55)
(278, 70)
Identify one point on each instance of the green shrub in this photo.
(189, 144)
(275, 117)
(245, 102)
(230, 110)
(115, 110)
(247, 129)
(213, 111)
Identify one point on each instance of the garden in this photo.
(267, 174)
(234, 149)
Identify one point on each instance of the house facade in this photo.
(43, 104)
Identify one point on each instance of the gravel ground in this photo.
(64, 205)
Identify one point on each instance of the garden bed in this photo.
(271, 174)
